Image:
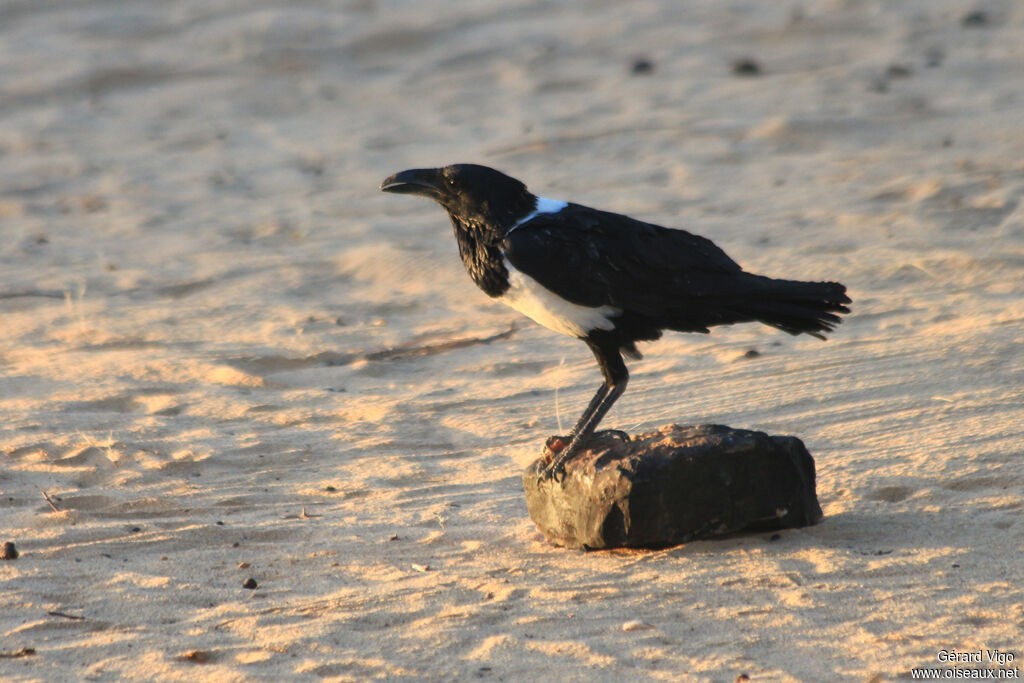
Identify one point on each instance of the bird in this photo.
(605, 278)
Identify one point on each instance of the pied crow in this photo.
(607, 279)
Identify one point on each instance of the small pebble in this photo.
(635, 625)
(742, 677)
(421, 567)
(879, 85)
(9, 551)
(752, 353)
(899, 71)
(244, 565)
(975, 18)
(197, 656)
(746, 66)
(250, 584)
(774, 537)
(642, 67)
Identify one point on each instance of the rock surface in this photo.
(674, 485)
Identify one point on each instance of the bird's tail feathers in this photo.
(792, 306)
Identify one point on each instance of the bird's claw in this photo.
(556, 457)
(553, 472)
(553, 469)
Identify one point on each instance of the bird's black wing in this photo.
(594, 258)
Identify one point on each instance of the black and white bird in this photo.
(607, 279)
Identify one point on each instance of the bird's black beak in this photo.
(422, 181)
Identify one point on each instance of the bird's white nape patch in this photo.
(540, 304)
(545, 205)
(542, 205)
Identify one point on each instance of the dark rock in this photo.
(8, 551)
(250, 584)
(675, 485)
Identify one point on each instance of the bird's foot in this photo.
(556, 444)
(552, 472)
(554, 468)
(559, 450)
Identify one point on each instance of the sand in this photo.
(225, 355)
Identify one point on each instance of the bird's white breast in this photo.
(539, 303)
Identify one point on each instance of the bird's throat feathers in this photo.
(479, 239)
(481, 254)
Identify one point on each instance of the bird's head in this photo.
(472, 194)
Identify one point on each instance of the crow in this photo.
(607, 279)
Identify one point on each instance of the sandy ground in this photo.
(200, 283)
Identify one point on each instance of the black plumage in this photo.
(605, 278)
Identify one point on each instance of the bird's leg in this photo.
(602, 392)
(616, 377)
(557, 466)
(552, 441)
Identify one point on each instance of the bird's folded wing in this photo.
(595, 258)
